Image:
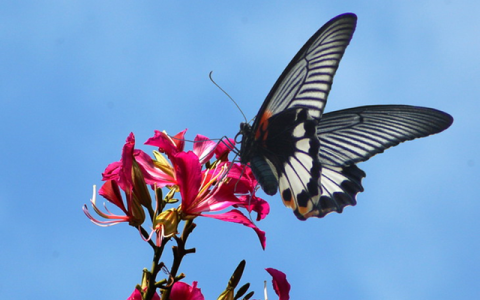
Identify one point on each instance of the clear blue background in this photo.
(76, 77)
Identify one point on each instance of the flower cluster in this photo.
(220, 189)
(205, 188)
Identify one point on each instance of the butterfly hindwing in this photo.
(340, 185)
(300, 171)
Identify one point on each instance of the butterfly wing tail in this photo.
(340, 186)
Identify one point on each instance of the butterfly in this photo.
(311, 157)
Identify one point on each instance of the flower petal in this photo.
(188, 174)
(167, 144)
(243, 178)
(137, 295)
(256, 204)
(111, 192)
(151, 173)
(179, 140)
(203, 147)
(112, 171)
(223, 149)
(280, 283)
(134, 211)
(236, 216)
(183, 291)
(126, 181)
(121, 171)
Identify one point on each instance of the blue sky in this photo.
(76, 77)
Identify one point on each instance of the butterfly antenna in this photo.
(213, 81)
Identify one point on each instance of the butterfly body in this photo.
(311, 157)
(289, 134)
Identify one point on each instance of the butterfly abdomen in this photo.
(264, 171)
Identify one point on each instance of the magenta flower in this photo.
(280, 283)
(134, 213)
(199, 189)
(158, 172)
(223, 149)
(204, 192)
(204, 148)
(183, 291)
(121, 175)
(137, 295)
(211, 190)
(167, 144)
(121, 171)
(246, 184)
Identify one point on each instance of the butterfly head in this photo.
(245, 132)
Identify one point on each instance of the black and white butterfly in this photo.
(310, 156)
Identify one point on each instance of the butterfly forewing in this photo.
(307, 80)
(353, 135)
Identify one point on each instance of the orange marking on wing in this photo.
(263, 124)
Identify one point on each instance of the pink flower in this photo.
(137, 295)
(280, 283)
(246, 184)
(157, 172)
(134, 213)
(218, 187)
(210, 191)
(167, 144)
(223, 149)
(121, 171)
(202, 191)
(154, 172)
(204, 148)
(122, 175)
(183, 291)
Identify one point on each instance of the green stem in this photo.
(156, 267)
(179, 252)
